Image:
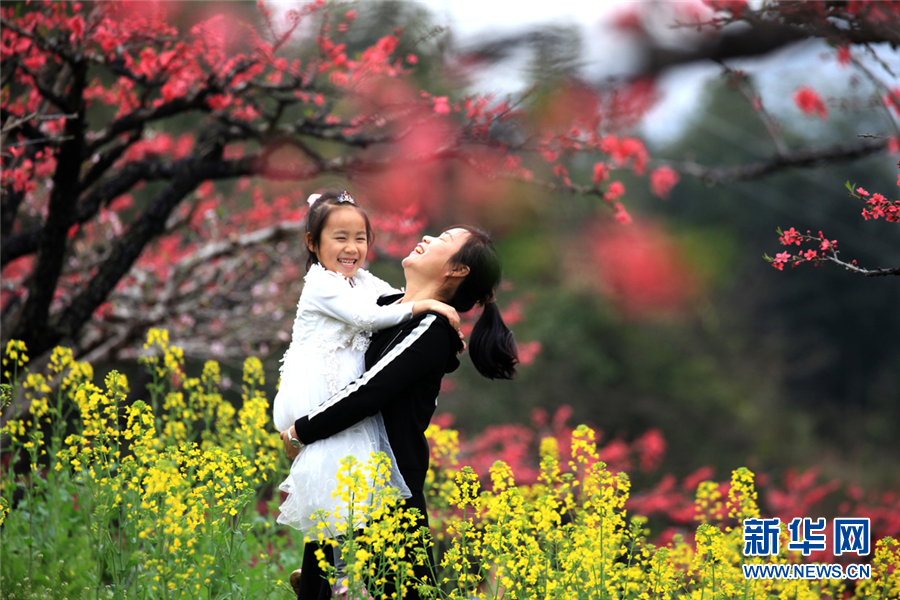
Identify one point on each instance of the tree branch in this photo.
(41, 42)
(799, 159)
(141, 116)
(107, 159)
(124, 253)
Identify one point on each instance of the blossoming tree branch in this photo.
(111, 223)
(722, 31)
(852, 29)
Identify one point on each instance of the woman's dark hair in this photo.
(491, 346)
(318, 216)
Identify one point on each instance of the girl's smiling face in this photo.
(343, 243)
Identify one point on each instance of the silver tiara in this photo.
(344, 197)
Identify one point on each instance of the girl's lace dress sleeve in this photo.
(356, 307)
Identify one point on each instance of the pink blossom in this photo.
(791, 236)
(843, 55)
(528, 351)
(622, 215)
(441, 105)
(892, 99)
(614, 191)
(809, 101)
(662, 180)
(780, 259)
(601, 173)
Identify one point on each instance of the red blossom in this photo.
(780, 259)
(893, 146)
(791, 236)
(879, 206)
(892, 99)
(549, 155)
(843, 55)
(601, 173)
(617, 455)
(528, 351)
(651, 448)
(628, 20)
(614, 191)
(625, 149)
(810, 102)
(642, 269)
(621, 215)
(441, 105)
(562, 173)
(662, 180)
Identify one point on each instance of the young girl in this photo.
(335, 316)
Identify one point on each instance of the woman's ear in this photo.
(458, 271)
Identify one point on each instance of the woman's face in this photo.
(344, 242)
(431, 257)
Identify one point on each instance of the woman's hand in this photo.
(420, 306)
(289, 448)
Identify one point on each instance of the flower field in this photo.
(173, 497)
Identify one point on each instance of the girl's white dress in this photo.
(330, 337)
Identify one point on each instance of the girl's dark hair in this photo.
(491, 346)
(318, 216)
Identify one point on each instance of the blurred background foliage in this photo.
(761, 367)
(764, 367)
(751, 366)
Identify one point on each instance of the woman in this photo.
(405, 365)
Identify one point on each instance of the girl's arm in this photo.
(335, 299)
(332, 296)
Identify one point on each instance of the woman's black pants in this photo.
(313, 583)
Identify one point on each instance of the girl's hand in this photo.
(420, 306)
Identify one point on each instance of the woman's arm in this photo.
(422, 353)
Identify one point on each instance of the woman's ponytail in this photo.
(491, 346)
